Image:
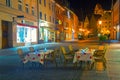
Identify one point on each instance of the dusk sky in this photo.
(83, 7)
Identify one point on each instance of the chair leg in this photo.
(75, 65)
(56, 63)
(65, 63)
(92, 65)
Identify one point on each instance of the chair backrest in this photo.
(63, 50)
(70, 47)
(20, 53)
(57, 53)
(101, 47)
(105, 48)
(31, 49)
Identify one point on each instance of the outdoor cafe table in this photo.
(37, 56)
(87, 56)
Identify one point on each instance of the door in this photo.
(6, 34)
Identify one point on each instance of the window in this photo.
(33, 13)
(40, 15)
(53, 19)
(26, 34)
(45, 3)
(20, 5)
(45, 17)
(8, 3)
(49, 6)
(52, 7)
(50, 18)
(40, 1)
(27, 8)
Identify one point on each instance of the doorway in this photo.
(6, 34)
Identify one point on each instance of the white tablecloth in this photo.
(36, 56)
(87, 56)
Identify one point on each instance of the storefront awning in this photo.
(26, 25)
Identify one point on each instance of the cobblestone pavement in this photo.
(11, 68)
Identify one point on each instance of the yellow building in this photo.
(70, 24)
(105, 24)
(18, 22)
(115, 30)
(46, 11)
(59, 12)
(104, 20)
(75, 28)
(68, 28)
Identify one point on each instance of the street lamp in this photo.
(100, 23)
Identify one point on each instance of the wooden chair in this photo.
(50, 58)
(71, 49)
(21, 55)
(67, 57)
(58, 56)
(101, 47)
(99, 55)
(100, 52)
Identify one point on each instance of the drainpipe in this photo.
(119, 21)
(38, 20)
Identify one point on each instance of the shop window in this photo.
(26, 34)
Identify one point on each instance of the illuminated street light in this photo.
(100, 23)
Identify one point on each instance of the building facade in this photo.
(105, 25)
(59, 12)
(18, 23)
(116, 20)
(26, 22)
(47, 25)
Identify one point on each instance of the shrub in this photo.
(103, 38)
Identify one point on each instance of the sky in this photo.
(86, 7)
